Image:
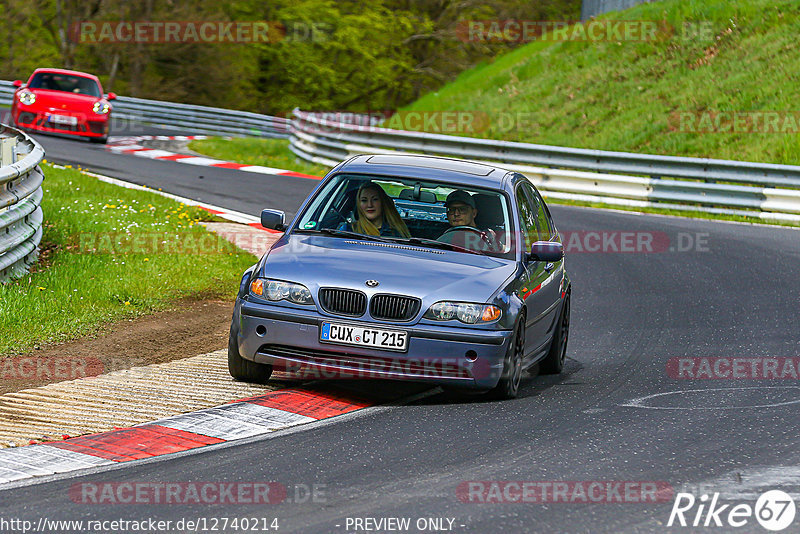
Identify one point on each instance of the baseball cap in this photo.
(459, 195)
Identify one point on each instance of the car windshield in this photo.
(423, 213)
(65, 82)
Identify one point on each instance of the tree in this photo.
(370, 55)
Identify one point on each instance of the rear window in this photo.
(68, 83)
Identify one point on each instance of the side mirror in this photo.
(273, 219)
(112, 96)
(17, 83)
(546, 251)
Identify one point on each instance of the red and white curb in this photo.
(241, 419)
(132, 146)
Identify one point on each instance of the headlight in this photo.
(102, 107)
(466, 312)
(276, 290)
(26, 97)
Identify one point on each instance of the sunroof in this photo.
(433, 163)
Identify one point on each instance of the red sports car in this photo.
(63, 101)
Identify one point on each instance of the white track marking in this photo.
(41, 460)
(153, 153)
(640, 402)
(234, 421)
(262, 170)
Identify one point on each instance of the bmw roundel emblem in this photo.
(372, 283)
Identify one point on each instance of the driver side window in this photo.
(542, 222)
(527, 219)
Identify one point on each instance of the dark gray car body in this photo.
(530, 293)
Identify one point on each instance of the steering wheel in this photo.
(338, 214)
(484, 237)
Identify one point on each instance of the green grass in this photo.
(266, 152)
(709, 56)
(722, 56)
(111, 253)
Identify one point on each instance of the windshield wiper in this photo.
(434, 243)
(341, 233)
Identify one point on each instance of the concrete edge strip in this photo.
(241, 419)
(132, 146)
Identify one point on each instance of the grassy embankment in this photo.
(648, 96)
(651, 97)
(111, 253)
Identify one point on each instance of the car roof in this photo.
(427, 168)
(65, 71)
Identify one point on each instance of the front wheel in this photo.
(240, 368)
(553, 363)
(508, 386)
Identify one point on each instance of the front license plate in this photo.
(361, 336)
(64, 119)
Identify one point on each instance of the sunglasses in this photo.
(459, 210)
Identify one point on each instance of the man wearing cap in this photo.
(461, 213)
(461, 210)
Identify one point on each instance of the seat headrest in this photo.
(490, 210)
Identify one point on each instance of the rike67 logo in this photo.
(774, 510)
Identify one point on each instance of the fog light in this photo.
(261, 330)
(471, 355)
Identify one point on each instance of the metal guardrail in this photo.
(592, 8)
(762, 190)
(197, 119)
(20, 204)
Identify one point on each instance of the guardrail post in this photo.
(8, 151)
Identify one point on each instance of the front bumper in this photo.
(36, 120)
(288, 339)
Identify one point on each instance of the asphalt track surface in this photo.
(232, 189)
(734, 295)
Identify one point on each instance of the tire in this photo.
(508, 386)
(553, 363)
(99, 140)
(241, 369)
